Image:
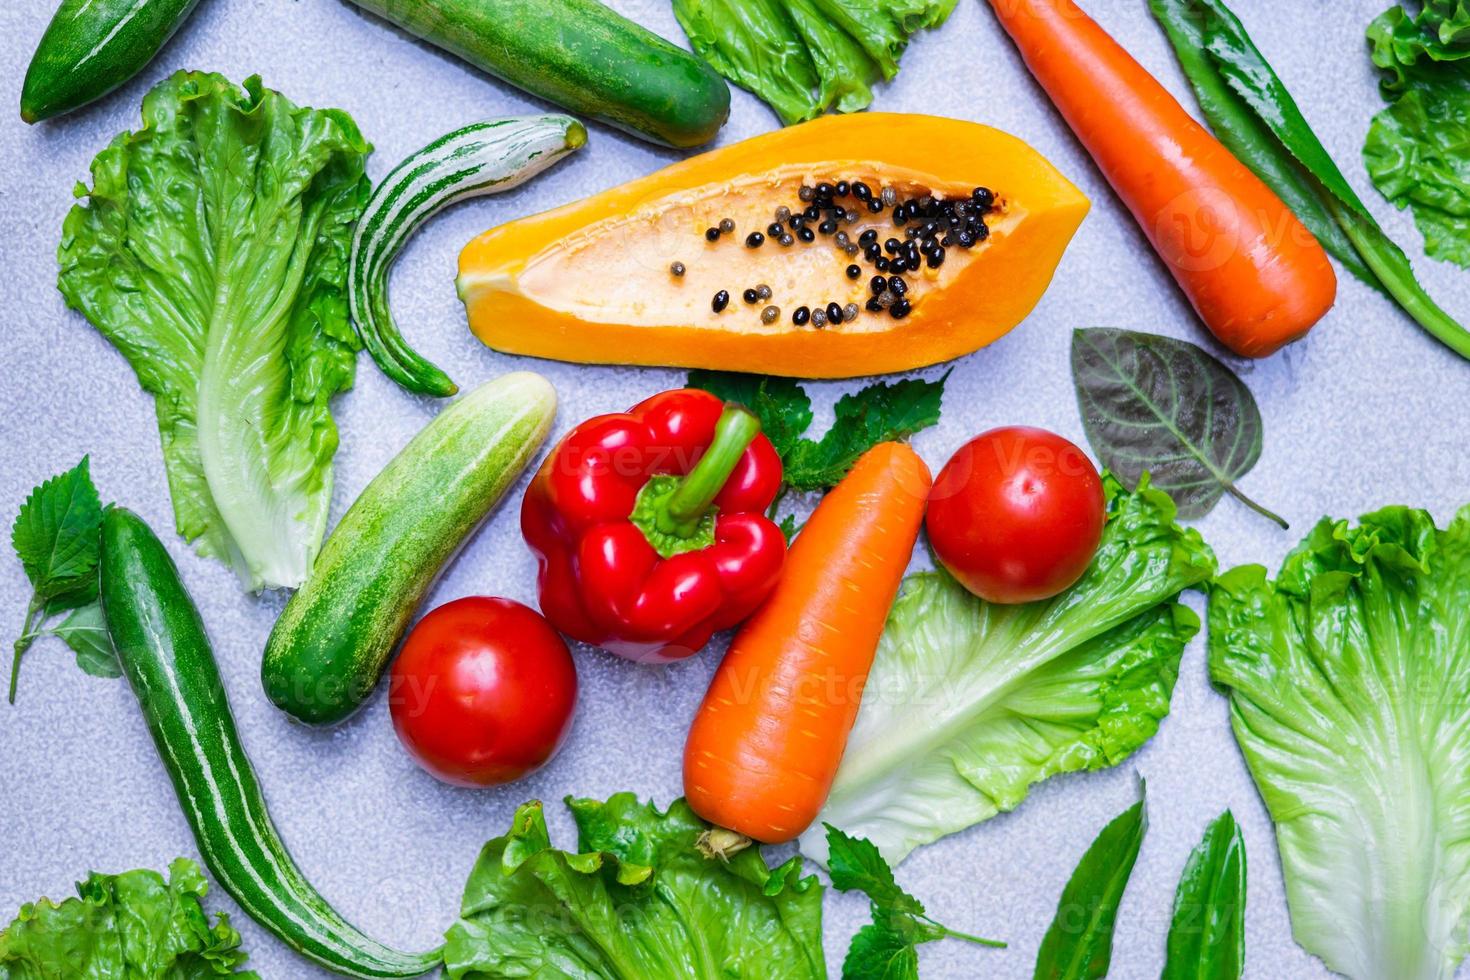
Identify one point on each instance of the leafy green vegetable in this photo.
(887, 947)
(968, 704)
(637, 902)
(755, 44)
(804, 57)
(878, 413)
(1207, 935)
(55, 536)
(1418, 149)
(1347, 678)
(126, 926)
(212, 252)
(85, 631)
(1165, 407)
(1257, 120)
(1079, 943)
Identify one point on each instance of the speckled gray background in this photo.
(1366, 412)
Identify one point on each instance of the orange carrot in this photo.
(1254, 273)
(765, 744)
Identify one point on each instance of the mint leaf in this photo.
(879, 952)
(55, 533)
(781, 404)
(878, 413)
(56, 538)
(856, 865)
(85, 631)
(887, 948)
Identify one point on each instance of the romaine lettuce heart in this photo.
(211, 250)
(1349, 683)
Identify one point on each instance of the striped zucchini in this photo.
(482, 158)
(164, 652)
(334, 637)
(93, 46)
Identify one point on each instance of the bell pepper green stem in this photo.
(735, 430)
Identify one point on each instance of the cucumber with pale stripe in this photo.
(482, 158)
(93, 46)
(332, 641)
(164, 652)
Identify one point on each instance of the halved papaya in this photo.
(766, 256)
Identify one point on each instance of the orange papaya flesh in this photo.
(596, 282)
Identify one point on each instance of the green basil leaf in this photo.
(1168, 408)
(1207, 935)
(1079, 943)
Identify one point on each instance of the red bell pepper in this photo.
(650, 528)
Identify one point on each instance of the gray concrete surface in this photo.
(1367, 411)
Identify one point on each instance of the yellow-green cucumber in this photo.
(93, 46)
(329, 647)
(582, 56)
(482, 158)
(165, 654)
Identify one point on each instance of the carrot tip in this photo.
(721, 843)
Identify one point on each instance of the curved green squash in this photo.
(163, 650)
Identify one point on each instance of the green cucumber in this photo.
(93, 46)
(329, 647)
(482, 158)
(162, 647)
(580, 55)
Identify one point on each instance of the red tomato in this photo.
(483, 691)
(1016, 515)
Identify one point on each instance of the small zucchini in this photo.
(93, 46)
(582, 56)
(482, 158)
(165, 654)
(334, 637)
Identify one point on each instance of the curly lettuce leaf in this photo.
(804, 57)
(122, 927)
(756, 45)
(1418, 148)
(211, 251)
(638, 901)
(1347, 679)
(968, 703)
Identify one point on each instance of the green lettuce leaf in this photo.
(638, 901)
(804, 57)
(124, 927)
(756, 45)
(212, 251)
(1348, 678)
(846, 75)
(968, 704)
(1418, 149)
